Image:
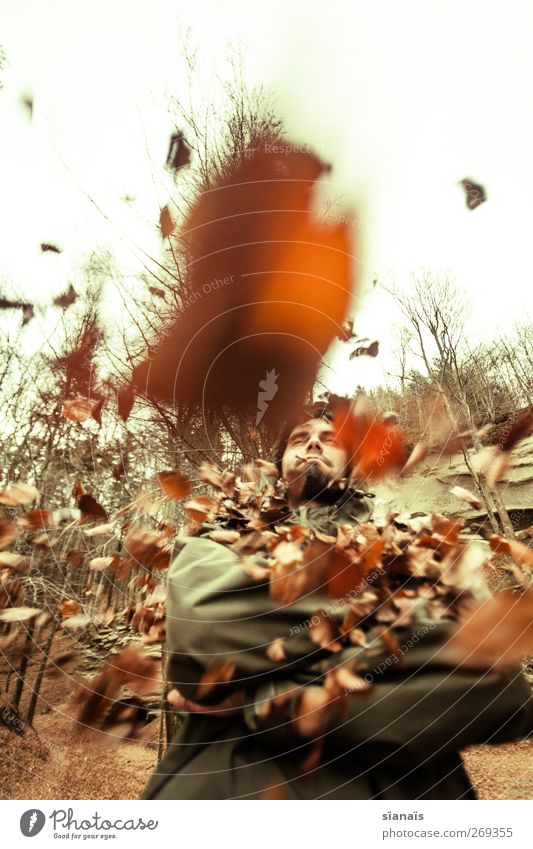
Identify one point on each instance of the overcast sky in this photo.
(404, 99)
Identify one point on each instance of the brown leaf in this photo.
(17, 494)
(19, 614)
(276, 650)
(520, 553)
(224, 536)
(417, 455)
(496, 632)
(76, 558)
(148, 548)
(254, 570)
(200, 508)
(66, 299)
(258, 214)
(77, 409)
(375, 448)
(130, 666)
(466, 495)
(68, 607)
(100, 564)
(175, 485)
(8, 531)
(90, 509)
(310, 715)
(34, 520)
(324, 631)
(219, 674)
(166, 223)
(16, 562)
(223, 480)
(475, 193)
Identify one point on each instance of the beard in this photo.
(313, 484)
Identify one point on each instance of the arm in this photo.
(424, 708)
(217, 613)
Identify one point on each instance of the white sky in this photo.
(404, 99)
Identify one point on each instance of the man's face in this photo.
(312, 459)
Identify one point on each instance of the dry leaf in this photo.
(466, 495)
(219, 674)
(17, 494)
(276, 650)
(175, 485)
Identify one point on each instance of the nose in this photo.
(314, 445)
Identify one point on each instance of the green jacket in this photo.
(402, 740)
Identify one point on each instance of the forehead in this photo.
(311, 425)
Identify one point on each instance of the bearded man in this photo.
(249, 671)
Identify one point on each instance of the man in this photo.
(262, 730)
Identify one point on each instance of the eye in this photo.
(300, 438)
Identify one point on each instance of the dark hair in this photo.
(315, 410)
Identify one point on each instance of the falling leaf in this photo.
(521, 554)
(81, 409)
(90, 509)
(48, 247)
(125, 402)
(34, 520)
(68, 607)
(99, 564)
(79, 620)
(166, 223)
(417, 455)
(17, 562)
(219, 674)
(466, 495)
(76, 558)
(474, 192)
(19, 614)
(175, 485)
(310, 714)
(157, 292)
(257, 214)
(147, 548)
(179, 153)
(276, 650)
(201, 508)
(346, 331)
(374, 448)
(224, 536)
(223, 480)
(254, 570)
(67, 298)
(17, 494)
(496, 632)
(8, 531)
(131, 666)
(371, 350)
(324, 631)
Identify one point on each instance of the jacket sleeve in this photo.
(216, 614)
(421, 707)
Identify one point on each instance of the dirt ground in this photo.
(58, 759)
